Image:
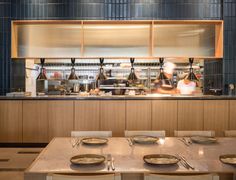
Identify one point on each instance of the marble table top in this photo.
(55, 158)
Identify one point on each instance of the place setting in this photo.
(94, 161)
(89, 141)
(167, 160)
(188, 141)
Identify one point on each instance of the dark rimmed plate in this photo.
(87, 159)
(203, 140)
(161, 159)
(144, 139)
(228, 159)
(94, 141)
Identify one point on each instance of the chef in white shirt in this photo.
(186, 87)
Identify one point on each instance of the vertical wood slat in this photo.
(138, 115)
(190, 115)
(61, 118)
(86, 115)
(112, 116)
(10, 121)
(35, 121)
(216, 116)
(232, 115)
(164, 116)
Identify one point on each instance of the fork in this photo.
(109, 160)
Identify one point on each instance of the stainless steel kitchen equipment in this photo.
(162, 79)
(41, 81)
(132, 76)
(42, 74)
(101, 76)
(72, 74)
(191, 76)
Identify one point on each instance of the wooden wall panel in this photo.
(164, 116)
(35, 121)
(61, 118)
(86, 115)
(190, 115)
(112, 116)
(216, 116)
(138, 115)
(232, 115)
(10, 121)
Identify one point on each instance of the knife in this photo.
(112, 164)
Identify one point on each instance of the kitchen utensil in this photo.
(161, 159)
(203, 140)
(76, 88)
(185, 161)
(228, 159)
(129, 141)
(182, 140)
(145, 139)
(94, 141)
(87, 159)
(110, 162)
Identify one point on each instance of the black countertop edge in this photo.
(152, 97)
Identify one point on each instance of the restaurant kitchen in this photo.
(139, 89)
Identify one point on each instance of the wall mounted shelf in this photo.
(90, 39)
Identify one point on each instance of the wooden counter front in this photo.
(38, 121)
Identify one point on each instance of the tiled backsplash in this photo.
(112, 9)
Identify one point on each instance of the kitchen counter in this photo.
(39, 119)
(116, 97)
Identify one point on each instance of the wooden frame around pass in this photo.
(218, 37)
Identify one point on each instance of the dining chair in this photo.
(145, 133)
(230, 133)
(83, 177)
(181, 177)
(194, 133)
(91, 134)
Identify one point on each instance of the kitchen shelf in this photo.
(92, 39)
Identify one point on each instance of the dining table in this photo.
(128, 158)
